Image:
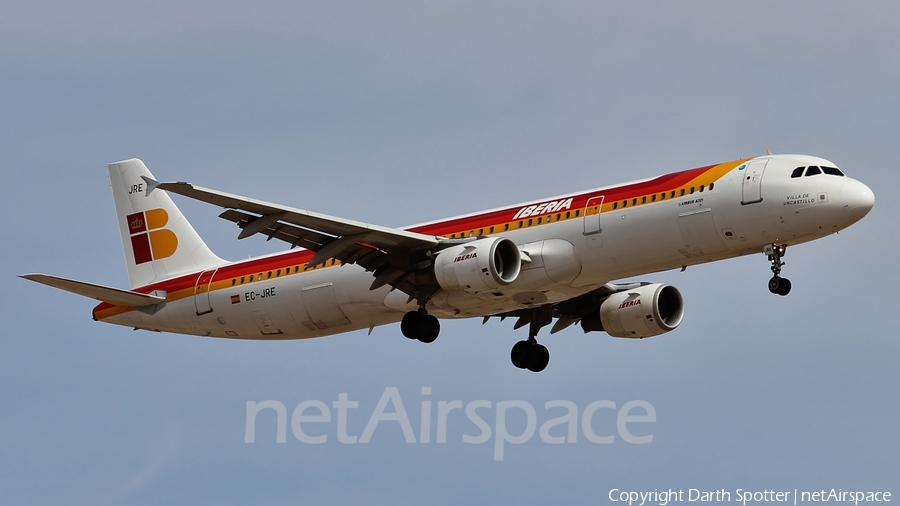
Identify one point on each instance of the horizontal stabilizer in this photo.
(115, 296)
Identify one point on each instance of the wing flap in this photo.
(253, 210)
(392, 255)
(102, 293)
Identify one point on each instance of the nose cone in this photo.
(858, 199)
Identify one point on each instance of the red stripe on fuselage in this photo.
(288, 259)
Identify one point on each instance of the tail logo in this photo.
(149, 240)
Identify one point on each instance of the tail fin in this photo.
(159, 242)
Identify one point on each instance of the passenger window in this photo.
(701, 188)
(643, 200)
(558, 215)
(491, 231)
(480, 232)
(673, 194)
(634, 202)
(653, 198)
(797, 172)
(540, 220)
(615, 205)
(505, 227)
(578, 213)
(278, 273)
(270, 274)
(521, 223)
(832, 171)
(812, 171)
(568, 214)
(624, 203)
(662, 196)
(233, 281)
(251, 278)
(692, 190)
(711, 186)
(530, 221)
(682, 192)
(242, 280)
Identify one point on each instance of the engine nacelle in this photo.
(485, 264)
(646, 311)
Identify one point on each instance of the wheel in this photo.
(411, 325)
(521, 355)
(540, 357)
(785, 287)
(775, 284)
(432, 329)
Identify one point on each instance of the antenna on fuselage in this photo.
(768, 152)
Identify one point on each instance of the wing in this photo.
(392, 255)
(566, 312)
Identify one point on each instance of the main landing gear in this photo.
(779, 285)
(420, 325)
(529, 354)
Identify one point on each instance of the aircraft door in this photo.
(752, 187)
(201, 292)
(592, 228)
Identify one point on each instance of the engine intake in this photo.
(647, 311)
(485, 264)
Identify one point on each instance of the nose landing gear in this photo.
(779, 285)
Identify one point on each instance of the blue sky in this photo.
(397, 113)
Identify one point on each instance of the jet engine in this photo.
(485, 264)
(647, 311)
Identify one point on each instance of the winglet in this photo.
(151, 184)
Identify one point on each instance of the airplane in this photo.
(539, 261)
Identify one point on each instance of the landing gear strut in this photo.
(420, 325)
(779, 285)
(529, 354)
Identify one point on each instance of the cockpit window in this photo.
(797, 172)
(812, 171)
(832, 171)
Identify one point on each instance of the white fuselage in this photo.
(569, 257)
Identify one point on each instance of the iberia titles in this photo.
(544, 208)
(629, 303)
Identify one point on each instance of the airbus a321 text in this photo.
(552, 259)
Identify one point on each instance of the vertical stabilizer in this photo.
(159, 242)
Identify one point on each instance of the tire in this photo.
(521, 354)
(775, 284)
(540, 357)
(432, 327)
(785, 287)
(411, 324)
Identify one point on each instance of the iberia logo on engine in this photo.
(149, 240)
(629, 303)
